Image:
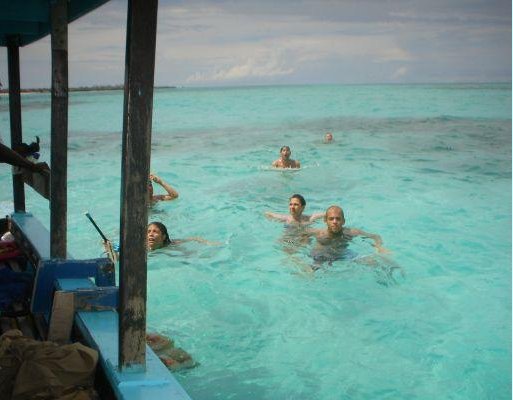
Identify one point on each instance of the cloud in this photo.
(304, 41)
(285, 55)
(264, 66)
(399, 72)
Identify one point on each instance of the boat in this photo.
(79, 299)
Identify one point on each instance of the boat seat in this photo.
(88, 296)
(74, 294)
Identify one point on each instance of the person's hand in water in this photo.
(201, 240)
(382, 250)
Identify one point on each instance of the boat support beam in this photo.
(59, 129)
(135, 168)
(13, 60)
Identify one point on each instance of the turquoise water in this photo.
(428, 167)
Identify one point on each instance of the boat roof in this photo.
(25, 21)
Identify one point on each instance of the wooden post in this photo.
(135, 168)
(59, 129)
(13, 60)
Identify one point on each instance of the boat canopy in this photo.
(25, 21)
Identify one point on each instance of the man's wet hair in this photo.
(163, 229)
(336, 208)
(284, 147)
(300, 198)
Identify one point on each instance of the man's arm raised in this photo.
(277, 217)
(198, 240)
(171, 192)
(316, 216)
(378, 242)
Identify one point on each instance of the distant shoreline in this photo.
(4, 92)
(80, 89)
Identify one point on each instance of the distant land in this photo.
(82, 89)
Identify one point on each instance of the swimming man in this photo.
(333, 241)
(285, 161)
(297, 204)
(295, 223)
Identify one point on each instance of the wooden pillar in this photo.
(59, 129)
(135, 168)
(13, 60)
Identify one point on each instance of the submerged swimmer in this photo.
(333, 241)
(173, 357)
(171, 194)
(328, 138)
(297, 204)
(285, 161)
(157, 237)
(295, 221)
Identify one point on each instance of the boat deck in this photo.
(75, 300)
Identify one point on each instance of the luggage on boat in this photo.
(30, 369)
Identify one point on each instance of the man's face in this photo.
(334, 220)
(295, 207)
(285, 153)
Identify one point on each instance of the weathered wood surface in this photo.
(59, 129)
(61, 321)
(137, 117)
(39, 181)
(13, 60)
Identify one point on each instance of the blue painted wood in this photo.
(95, 280)
(70, 284)
(100, 330)
(101, 270)
(88, 296)
(33, 232)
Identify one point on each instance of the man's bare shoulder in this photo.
(307, 219)
(316, 216)
(316, 232)
(278, 217)
(351, 231)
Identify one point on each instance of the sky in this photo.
(270, 42)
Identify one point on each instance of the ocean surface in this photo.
(428, 167)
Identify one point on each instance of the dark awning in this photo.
(25, 21)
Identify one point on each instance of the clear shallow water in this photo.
(426, 166)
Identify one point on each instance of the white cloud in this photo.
(399, 72)
(283, 56)
(265, 66)
(269, 42)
